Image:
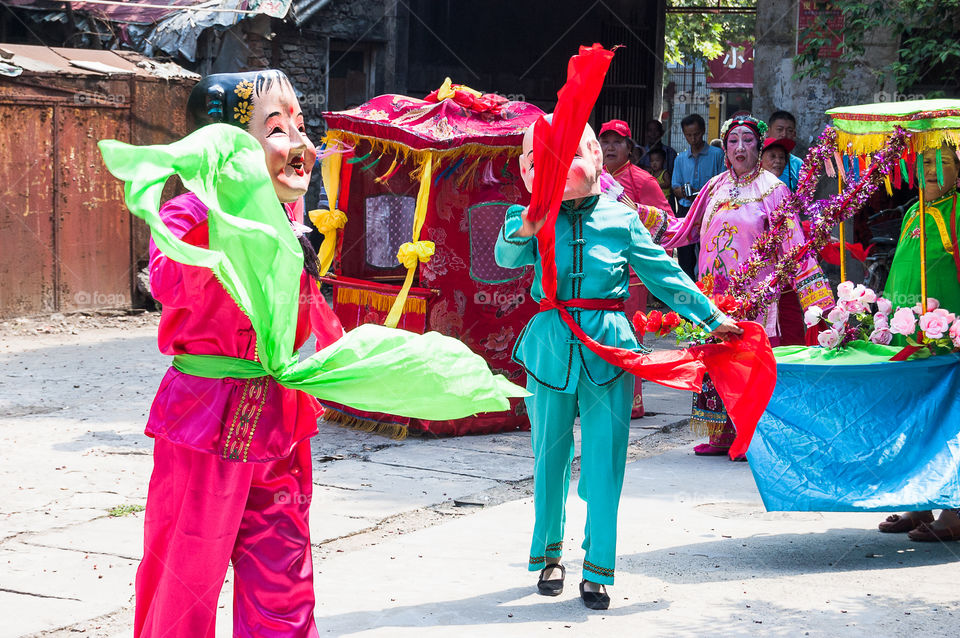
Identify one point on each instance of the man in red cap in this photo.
(640, 187)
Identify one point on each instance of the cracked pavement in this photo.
(425, 535)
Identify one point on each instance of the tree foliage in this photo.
(704, 34)
(928, 32)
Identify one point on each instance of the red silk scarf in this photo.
(743, 370)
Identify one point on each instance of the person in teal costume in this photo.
(597, 241)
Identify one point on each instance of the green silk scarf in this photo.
(255, 256)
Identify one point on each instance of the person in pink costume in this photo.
(232, 469)
(728, 215)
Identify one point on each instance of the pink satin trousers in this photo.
(203, 512)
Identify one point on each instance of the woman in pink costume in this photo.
(728, 215)
(232, 472)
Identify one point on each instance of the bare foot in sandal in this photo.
(945, 528)
(901, 523)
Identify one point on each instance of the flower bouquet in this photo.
(687, 332)
(935, 331)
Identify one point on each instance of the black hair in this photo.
(227, 98)
(658, 151)
(658, 123)
(782, 115)
(693, 118)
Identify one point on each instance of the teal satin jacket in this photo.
(595, 244)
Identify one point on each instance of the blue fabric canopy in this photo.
(881, 436)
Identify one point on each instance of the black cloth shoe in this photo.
(595, 599)
(554, 586)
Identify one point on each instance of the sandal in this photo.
(927, 534)
(554, 586)
(595, 599)
(898, 524)
(706, 449)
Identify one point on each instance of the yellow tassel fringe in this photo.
(919, 141)
(703, 428)
(391, 430)
(404, 153)
(378, 300)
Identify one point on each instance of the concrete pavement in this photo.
(430, 536)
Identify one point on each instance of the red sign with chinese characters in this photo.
(733, 69)
(811, 15)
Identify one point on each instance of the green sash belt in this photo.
(214, 366)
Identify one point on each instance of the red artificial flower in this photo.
(726, 303)
(700, 285)
(653, 321)
(639, 322)
(670, 321)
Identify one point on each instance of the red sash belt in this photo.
(582, 304)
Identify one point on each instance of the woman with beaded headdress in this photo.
(727, 216)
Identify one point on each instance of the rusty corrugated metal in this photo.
(92, 229)
(67, 241)
(26, 210)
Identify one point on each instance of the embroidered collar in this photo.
(585, 206)
(624, 166)
(740, 182)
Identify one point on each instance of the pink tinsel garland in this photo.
(755, 296)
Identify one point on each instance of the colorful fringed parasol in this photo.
(863, 130)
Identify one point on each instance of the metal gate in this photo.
(64, 232)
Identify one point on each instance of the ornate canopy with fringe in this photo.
(417, 190)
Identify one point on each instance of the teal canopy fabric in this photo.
(255, 255)
(851, 431)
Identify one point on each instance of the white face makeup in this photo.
(742, 151)
(582, 178)
(277, 123)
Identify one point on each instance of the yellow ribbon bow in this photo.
(327, 222)
(411, 253)
(448, 89)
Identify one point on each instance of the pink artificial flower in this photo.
(868, 295)
(880, 321)
(933, 325)
(838, 316)
(853, 307)
(932, 304)
(946, 314)
(904, 322)
(846, 291)
(812, 316)
(882, 336)
(884, 305)
(829, 338)
(955, 333)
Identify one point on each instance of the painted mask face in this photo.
(277, 123)
(582, 178)
(931, 189)
(742, 150)
(774, 159)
